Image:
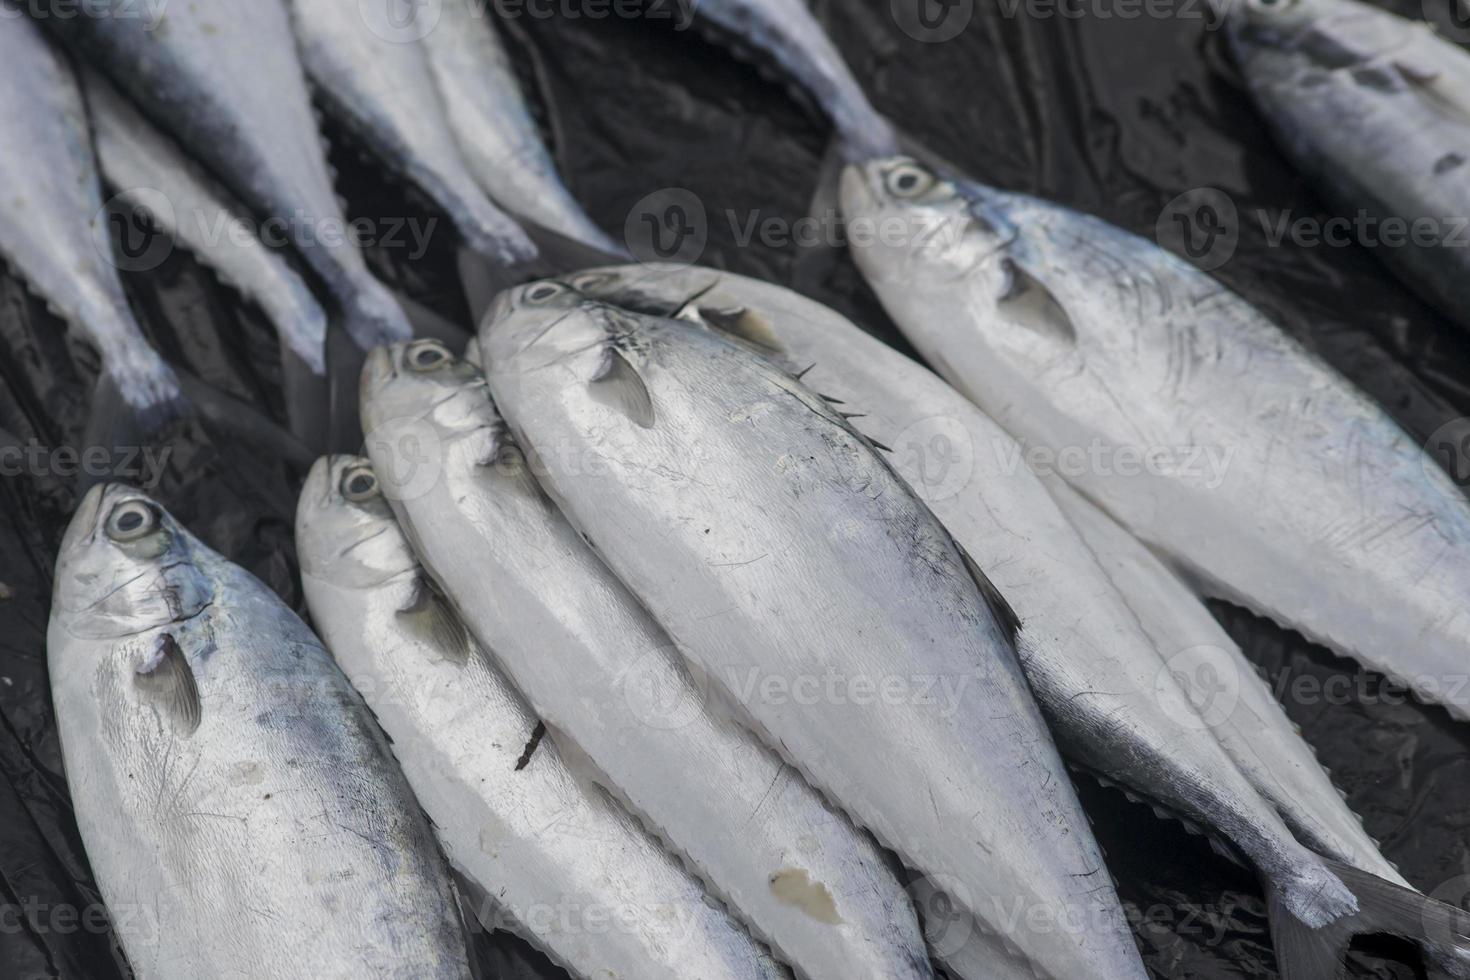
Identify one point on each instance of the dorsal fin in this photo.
(618, 385)
(429, 614)
(1025, 300)
(1004, 615)
(167, 677)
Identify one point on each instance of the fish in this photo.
(52, 230)
(149, 173)
(381, 86)
(604, 677)
(259, 140)
(818, 596)
(1185, 413)
(545, 854)
(1234, 766)
(492, 125)
(241, 809)
(1374, 109)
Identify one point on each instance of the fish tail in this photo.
(371, 316)
(815, 263)
(496, 235)
(1307, 950)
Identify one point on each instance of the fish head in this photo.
(126, 566)
(345, 529)
(540, 324)
(658, 289)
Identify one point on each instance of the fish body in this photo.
(51, 216)
(1182, 411)
(1375, 109)
(142, 163)
(493, 127)
(805, 582)
(259, 139)
(548, 855)
(241, 809)
(384, 90)
(602, 675)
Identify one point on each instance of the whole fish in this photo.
(51, 230)
(1234, 772)
(147, 168)
(804, 580)
(1375, 109)
(241, 809)
(597, 668)
(1185, 413)
(383, 89)
(494, 129)
(547, 855)
(186, 70)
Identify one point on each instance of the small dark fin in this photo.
(745, 324)
(305, 393)
(1028, 302)
(344, 379)
(804, 372)
(532, 744)
(167, 677)
(244, 421)
(1004, 615)
(111, 422)
(430, 615)
(1307, 953)
(815, 263)
(618, 385)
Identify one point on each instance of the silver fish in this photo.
(242, 811)
(488, 116)
(382, 87)
(549, 856)
(186, 72)
(1375, 109)
(51, 227)
(808, 585)
(602, 674)
(151, 173)
(1193, 420)
(1234, 772)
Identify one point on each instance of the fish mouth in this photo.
(856, 193)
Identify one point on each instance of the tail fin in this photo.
(1441, 931)
(371, 316)
(814, 262)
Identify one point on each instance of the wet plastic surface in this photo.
(1114, 115)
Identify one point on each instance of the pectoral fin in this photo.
(1026, 301)
(167, 678)
(618, 385)
(430, 616)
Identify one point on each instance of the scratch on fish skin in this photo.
(737, 564)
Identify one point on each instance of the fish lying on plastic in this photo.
(605, 678)
(259, 139)
(1375, 108)
(242, 812)
(1185, 414)
(494, 129)
(382, 87)
(51, 228)
(824, 602)
(547, 855)
(1082, 648)
(151, 174)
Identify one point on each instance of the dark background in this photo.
(1113, 115)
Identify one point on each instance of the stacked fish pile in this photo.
(639, 630)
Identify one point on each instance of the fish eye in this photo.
(359, 483)
(427, 355)
(543, 292)
(908, 180)
(131, 520)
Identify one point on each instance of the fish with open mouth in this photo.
(1375, 109)
(543, 853)
(51, 227)
(607, 680)
(188, 72)
(384, 90)
(241, 809)
(819, 597)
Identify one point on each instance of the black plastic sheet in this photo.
(1115, 114)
